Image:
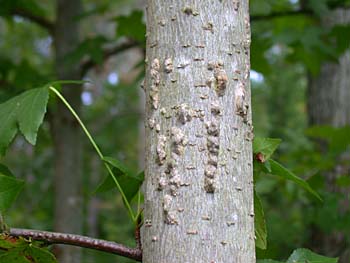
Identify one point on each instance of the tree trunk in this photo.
(328, 104)
(66, 133)
(199, 177)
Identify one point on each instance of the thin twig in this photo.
(80, 241)
(39, 20)
(88, 64)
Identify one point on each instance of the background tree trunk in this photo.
(199, 180)
(328, 104)
(66, 133)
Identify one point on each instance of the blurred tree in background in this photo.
(300, 78)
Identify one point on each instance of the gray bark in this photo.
(328, 104)
(66, 133)
(199, 177)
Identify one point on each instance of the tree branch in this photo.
(281, 14)
(39, 20)
(80, 241)
(88, 64)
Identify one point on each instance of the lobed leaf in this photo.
(26, 112)
(9, 189)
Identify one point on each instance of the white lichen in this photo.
(161, 153)
(184, 113)
(168, 65)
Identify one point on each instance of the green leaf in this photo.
(131, 26)
(40, 255)
(260, 224)
(303, 255)
(14, 256)
(29, 6)
(340, 33)
(318, 6)
(266, 146)
(5, 243)
(337, 138)
(26, 112)
(119, 169)
(279, 170)
(5, 170)
(127, 181)
(343, 181)
(91, 47)
(9, 189)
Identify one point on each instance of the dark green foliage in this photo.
(129, 182)
(16, 250)
(260, 224)
(284, 49)
(9, 189)
(90, 47)
(131, 26)
(303, 255)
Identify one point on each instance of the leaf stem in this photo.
(97, 149)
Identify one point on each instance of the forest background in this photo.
(297, 48)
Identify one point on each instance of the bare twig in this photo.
(80, 241)
(86, 65)
(39, 20)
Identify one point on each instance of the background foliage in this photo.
(286, 50)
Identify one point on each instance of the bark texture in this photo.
(328, 104)
(199, 177)
(66, 133)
